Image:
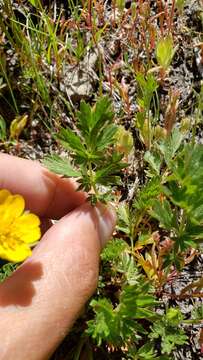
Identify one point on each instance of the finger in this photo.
(45, 193)
(40, 302)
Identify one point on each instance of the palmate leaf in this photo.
(167, 328)
(106, 137)
(109, 173)
(60, 166)
(185, 186)
(170, 145)
(92, 122)
(102, 113)
(91, 148)
(71, 141)
(163, 212)
(154, 160)
(118, 325)
(102, 116)
(84, 118)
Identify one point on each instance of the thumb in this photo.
(44, 296)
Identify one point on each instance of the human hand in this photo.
(44, 296)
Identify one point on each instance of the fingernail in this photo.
(106, 222)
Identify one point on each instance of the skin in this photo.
(41, 300)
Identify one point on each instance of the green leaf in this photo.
(84, 117)
(123, 218)
(154, 161)
(71, 141)
(6, 270)
(147, 87)
(185, 185)
(168, 330)
(163, 213)
(108, 174)
(101, 327)
(113, 250)
(165, 51)
(91, 147)
(106, 137)
(33, 2)
(147, 194)
(146, 352)
(173, 316)
(118, 326)
(102, 113)
(171, 144)
(124, 140)
(2, 129)
(60, 166)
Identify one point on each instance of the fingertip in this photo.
(106, 222)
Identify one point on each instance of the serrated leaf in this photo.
(171, 144)
(60, 166)
(123, 218)
(171, 335)
(147, 194)
(185, 185)
(162, 211)
(109, 173)
(72, 141)
(146, 352)
(102, 115)
(106, 137)
(113, 250)
(84, 117)
(102, 112)
(154, 161)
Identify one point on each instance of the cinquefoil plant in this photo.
(94, 159)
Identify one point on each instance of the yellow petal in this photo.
(26, 228)
(27, 220)
(11, 209)
(20, 253)
(30, 237)
(3, 195)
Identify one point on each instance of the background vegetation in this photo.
(111, 92)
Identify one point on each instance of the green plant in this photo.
(169, 331)
(2, 129)
(180, 5)
(95, 162)
(165, 51)
(179, 210)
(158, 197)
(6, 270)
(147, 87)
(119, 325)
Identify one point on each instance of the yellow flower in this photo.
(18, 229)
